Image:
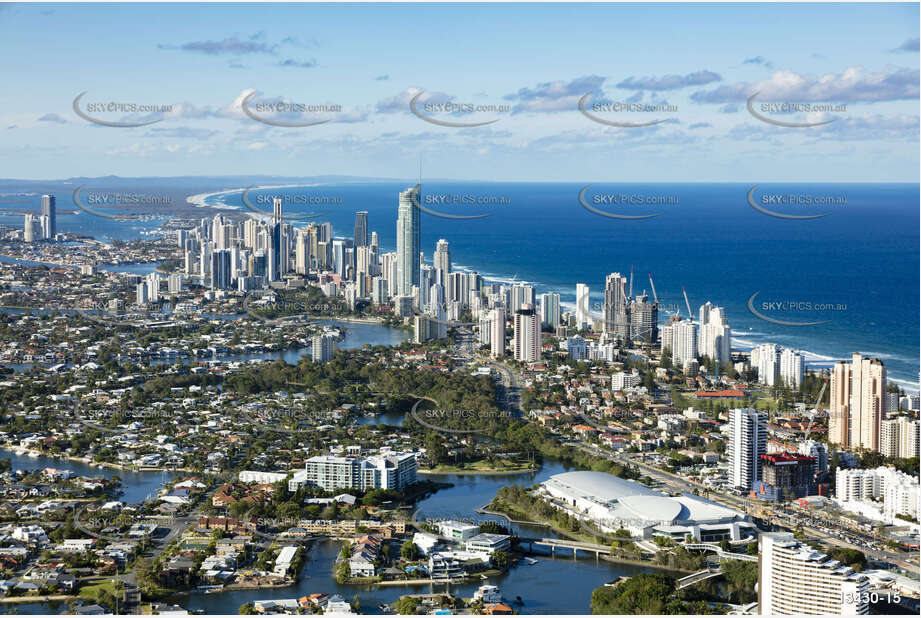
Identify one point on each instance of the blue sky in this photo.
(699, 63)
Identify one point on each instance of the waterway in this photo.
(137, 485)
(555, 585)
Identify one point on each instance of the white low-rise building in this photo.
(899, 493)
(612, 503)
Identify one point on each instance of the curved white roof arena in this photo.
(615, 498)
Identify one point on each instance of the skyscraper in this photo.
(49, 210)
(615, 307)
(583, 310)
(442, 261)
(550, 310)
(747, 442)
(527, 335)
(323, 347)
(361, 228)
(684, 342)
(791, 367)
(644, 320)
(868, 388)
(497, 332)
(839, 416)
(766, 357)
(28, 228)
(715, 335)
(408, 241)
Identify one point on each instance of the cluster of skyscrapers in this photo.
(688, 340)
(776, 365)
(45, 226)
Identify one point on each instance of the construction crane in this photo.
(630, 293)
(653, 286)
(690, 313)
(815, 409)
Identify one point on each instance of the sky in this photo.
(692, 66)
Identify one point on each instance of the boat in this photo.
(530, 561)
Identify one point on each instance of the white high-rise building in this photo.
(684, 341)
(323, 347)
(497, 332)
(583, 307)
(747, 442)
(715, 337)
(408, 241)
(795, 579)
(521, 295)
(899, 437)
(28, 228)
(791, 367)
(442, 261)
(550, 310)
(527, 335)
(766, 358)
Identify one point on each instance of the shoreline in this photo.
(476, 472)
(90, 462)
(199, 199)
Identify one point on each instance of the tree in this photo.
(409, 551)
(405, 605)
(853, 558)
(646, 593)
(501, 559)
(247, 609)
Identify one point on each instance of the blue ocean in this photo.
(855, 269)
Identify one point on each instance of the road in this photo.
(777, 517)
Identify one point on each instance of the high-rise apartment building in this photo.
(527, 335)
(858, 403)
(442, 261)
(361, 229)
(714, 337)
(747, 442)
(49, 211)
(497, 332)
(323, 347)
(583, 307)
(795, 579)
(408, 241)
(615, 324)
(550, 311)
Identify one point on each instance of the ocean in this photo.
(855, 270)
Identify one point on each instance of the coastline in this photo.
(199, 200)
